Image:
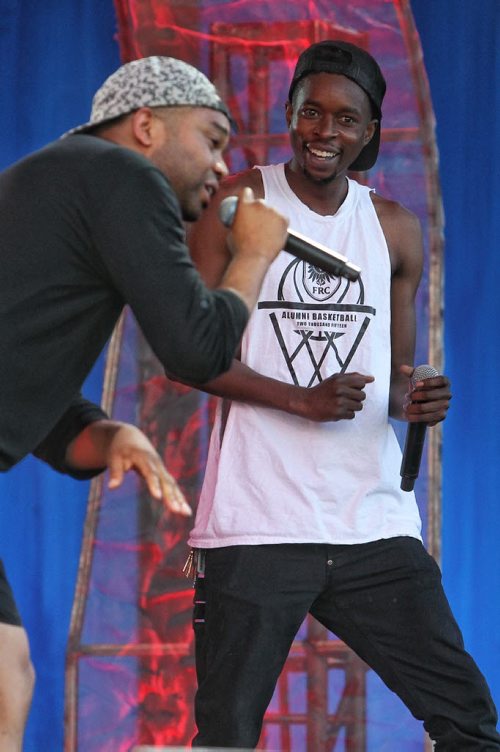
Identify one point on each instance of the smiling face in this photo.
(188, 147)
(330, 121)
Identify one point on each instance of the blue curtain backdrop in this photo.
(53, 56)
(461, 44)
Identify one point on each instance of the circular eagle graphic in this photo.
(310, 284)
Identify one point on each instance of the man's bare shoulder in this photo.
(403, 235)
(392, 212)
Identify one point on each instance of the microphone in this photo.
(415, 437)
(301, 247)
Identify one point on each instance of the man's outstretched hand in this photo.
(122, 447)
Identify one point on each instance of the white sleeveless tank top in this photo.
(272, 477)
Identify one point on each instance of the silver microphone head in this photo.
(227, 210)
(423, 372)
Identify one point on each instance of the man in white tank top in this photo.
(301, 509)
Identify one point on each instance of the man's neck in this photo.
(324, 198)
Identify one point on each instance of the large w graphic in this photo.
(316, 363)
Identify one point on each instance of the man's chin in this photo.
(320, 179)
(192, 213)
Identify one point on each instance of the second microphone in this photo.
(302, 247)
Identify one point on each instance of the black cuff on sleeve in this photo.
(52, 449)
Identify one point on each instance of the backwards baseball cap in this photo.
(151, 82)
(336, 56)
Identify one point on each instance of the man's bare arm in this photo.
(404, 239)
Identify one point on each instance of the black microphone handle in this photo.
(338, 265)
(412, 454)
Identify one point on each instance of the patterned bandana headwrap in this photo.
(151, 82)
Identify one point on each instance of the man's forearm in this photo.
(243, 384)
(244, 276)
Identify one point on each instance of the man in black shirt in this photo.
(92, 222)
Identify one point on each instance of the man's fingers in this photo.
(427, 412)
(247, 195)
(149, 466)
(116, 472)
(406, 370)
(173, 497)
(161, 485)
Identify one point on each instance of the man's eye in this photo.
(309, 112)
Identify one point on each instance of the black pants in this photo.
(383, 599)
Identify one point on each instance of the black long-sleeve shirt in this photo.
(87, 226)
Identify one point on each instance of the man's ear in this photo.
(143, 126)
(370, 130)
(288, 113)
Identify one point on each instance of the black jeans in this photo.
(383, 599)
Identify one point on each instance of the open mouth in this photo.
(207, 194)
(321, 153)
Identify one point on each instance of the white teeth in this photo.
(322, 154)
